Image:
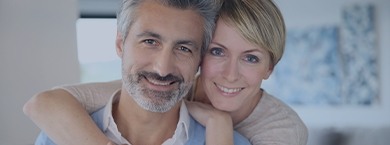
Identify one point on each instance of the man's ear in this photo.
(119, 44)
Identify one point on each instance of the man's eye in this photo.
(185, 49)
(216, 51)
(251, 58)
(150, 42)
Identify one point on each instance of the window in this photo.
(96, 50)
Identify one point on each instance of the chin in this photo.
(225, 107)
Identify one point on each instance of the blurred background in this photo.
(336, 52)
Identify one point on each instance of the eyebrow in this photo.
(246, 51)
(149, 34)
(219, 44)
(158, 36)
(255, 50)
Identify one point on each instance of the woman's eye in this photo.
(150, 42)
(251, 58)
(216, 51)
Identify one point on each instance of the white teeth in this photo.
(227, 90)
(159, 83)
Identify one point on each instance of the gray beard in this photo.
(152, 100)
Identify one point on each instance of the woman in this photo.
(248, 42)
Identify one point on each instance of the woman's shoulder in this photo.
(274, 121)
(270, 107)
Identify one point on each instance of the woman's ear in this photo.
(269, 72)
(119, 44)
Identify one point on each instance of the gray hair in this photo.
(208, 9)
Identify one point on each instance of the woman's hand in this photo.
(205, 113)
(219, 124)
(203, 99)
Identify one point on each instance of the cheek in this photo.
(253, 77)
(187, 68)
(210, 68)
(132, 62)
(188, 72)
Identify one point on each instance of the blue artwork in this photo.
(329, 65)
(310, 70)
(359, 55)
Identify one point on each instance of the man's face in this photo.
(160, 55)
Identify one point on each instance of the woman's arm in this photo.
(219, 124)
(61, 113)
(63, 119)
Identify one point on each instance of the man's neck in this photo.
(140, 126)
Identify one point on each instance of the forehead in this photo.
(230, 37)
(169, 22)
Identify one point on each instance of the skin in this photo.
(232, 72)
(229, 87)
(175, 49)
(148, 108)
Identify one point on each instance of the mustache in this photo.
(156, 76)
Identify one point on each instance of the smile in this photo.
(229, 90)
(159, 83)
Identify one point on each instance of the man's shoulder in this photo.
(97, 117)
(197, 135)
(240, 139)
(43, 139)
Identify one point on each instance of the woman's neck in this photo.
(244, 111)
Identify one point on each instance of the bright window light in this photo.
(96, 50)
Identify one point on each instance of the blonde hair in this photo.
(260, 22)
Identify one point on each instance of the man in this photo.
(160, 43)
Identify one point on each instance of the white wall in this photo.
(304, 13)
(37, 51)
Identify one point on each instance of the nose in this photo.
(230, 71)
(164, 63)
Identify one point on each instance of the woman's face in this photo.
(233, 69)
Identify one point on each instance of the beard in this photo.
(154, 100)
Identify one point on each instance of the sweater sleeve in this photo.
(92, 96)
(273, 122)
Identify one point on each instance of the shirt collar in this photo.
(181, 135)
(184, 119)
(110, 128)
(107, 117)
